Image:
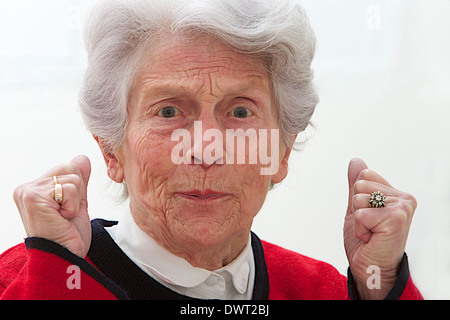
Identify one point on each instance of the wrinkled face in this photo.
(181, 84)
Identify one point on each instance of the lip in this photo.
(202, 195)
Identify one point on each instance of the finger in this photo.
(365, 221)
(71, 201)
(369, 221)
(73, 178)
(387, 221)
(84, 166)
(371, 175)
(71, 193)
(80, 165)
(361, 200)
(70, 178)
(71, 185)
(368, 187)
(76, 172)
(355, 167)
(62, 169)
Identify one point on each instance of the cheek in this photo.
(148, 163)
(254, 187)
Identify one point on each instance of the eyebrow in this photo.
(170, 89)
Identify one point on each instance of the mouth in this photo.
(205, 195)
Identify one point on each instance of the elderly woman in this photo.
(163, 79)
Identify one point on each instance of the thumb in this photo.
(84, 165)
(355, 167)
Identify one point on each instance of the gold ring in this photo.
(58, 191)
(377, 200)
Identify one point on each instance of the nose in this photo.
(208, 147)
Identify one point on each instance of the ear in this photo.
(283, 167)
(113, 164)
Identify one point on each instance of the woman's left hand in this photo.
(375, 236)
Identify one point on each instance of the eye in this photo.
(241, 112)
(168, 112)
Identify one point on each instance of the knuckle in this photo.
(399, 218)
(71, 206)
(68, 168)
(17, 193)
(358, 216)
(359, 186)
(411, 200)
(65, 168)
(357, 200)
(71, 199)
(365, 173)
(75, 179)
(30, 199)
(406, 206)
(28, 193)
(71, 190)
(403, 206)
(400, 221)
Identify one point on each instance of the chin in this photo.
(204, 230)
(204, 234)
(206, 226)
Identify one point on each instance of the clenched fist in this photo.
(375, 236)
(67, 223)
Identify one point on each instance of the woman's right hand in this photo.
(68, 223)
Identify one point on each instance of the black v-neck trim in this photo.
(138, 285)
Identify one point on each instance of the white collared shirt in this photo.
(232, 282)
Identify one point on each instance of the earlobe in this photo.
(113, 164)
(283, 168)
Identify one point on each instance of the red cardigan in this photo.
(41, 269)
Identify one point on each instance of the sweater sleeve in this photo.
(52, 272)
(293, 276)
(403, 289)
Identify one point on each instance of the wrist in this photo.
(373, 286)
(378, 283)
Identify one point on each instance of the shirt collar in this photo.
(167, 267)
(239, 268)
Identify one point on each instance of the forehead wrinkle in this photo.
(195, 58)
(171, 88)
(179, 69)
(220, 68)
(157, 88)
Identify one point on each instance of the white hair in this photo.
(118, 31)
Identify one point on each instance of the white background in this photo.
(382, 71)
